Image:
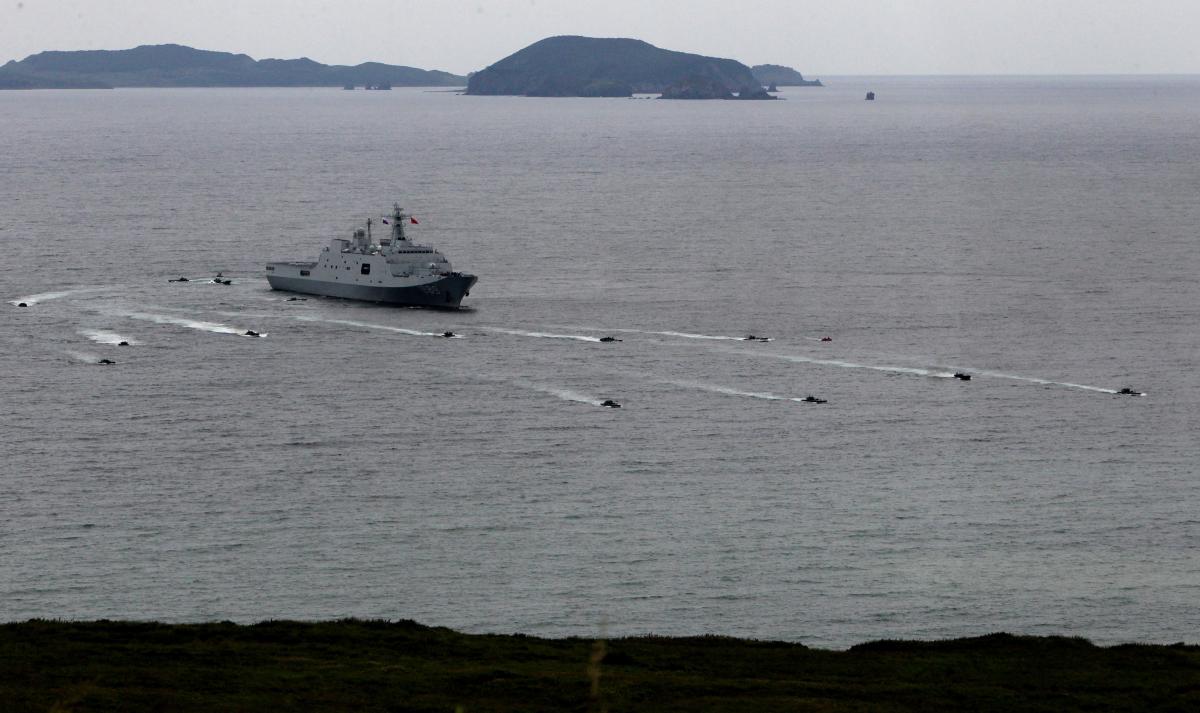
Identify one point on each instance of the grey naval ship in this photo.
(393, 270)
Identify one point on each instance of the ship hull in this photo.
(445, 292)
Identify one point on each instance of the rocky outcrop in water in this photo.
(696, 87)
(754, 92)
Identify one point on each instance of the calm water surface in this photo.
(1038, 233)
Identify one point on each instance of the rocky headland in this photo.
(782, 76)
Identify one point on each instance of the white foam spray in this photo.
(106, 337)
(568, 395)
(85, 357)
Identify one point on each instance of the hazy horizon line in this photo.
(804, 71)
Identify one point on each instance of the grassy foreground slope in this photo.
(403, 666)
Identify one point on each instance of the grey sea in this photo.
(1039, 234)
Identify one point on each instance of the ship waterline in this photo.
(445, 292)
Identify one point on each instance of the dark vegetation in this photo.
(571, 66)
(403, 666)
(700, 87)
(19, 81)
(696, 87)
(179, 66)
(782, 76)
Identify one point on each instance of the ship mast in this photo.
(397, 223)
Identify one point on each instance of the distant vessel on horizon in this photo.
(394, 270)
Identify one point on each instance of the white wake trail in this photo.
(106, 337)
(201, 325)
(689, 335)
(713, 388)
(556, 391)
(544, 335)
(681, 335)
(849, 364)
(369, 325)
(47, 296)
(716, 389)
(1046, 382)
(934, 372)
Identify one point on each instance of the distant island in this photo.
(781, 76)
(565, 66)
(572, 66)
(180, 66)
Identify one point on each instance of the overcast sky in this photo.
(822, 37)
